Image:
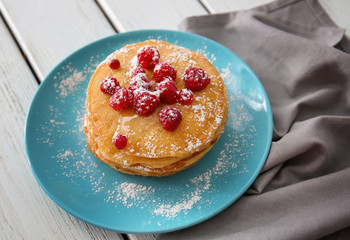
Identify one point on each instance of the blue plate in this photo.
(93, 192)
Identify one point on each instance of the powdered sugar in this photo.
(133, 61)
(65, 154)
(67, 85)
(171, 211)
(140, 81)
(181, 55)
(70, 79)
(129, 194)
(226, 76)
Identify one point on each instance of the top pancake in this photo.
(202, 120)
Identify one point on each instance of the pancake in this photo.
(150, 149)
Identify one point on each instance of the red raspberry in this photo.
(140, 81)
(109, 85)
(145, 102)
(167, 90)
(170, 118)
(121, 100)
(148, 57)
(138, 69)
(120, 141)
(196, 78)
(114, 63)
(163, 70)
(185, 96)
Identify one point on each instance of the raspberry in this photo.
(170, 118)
(109, 85)
(145, 102)
(163, 70)
(185, 96)
(167, 90)
(114, 63)
(196, 78)
(120, 141)
(138, 69)
(140, 81)
(121, 100)
(148, 57)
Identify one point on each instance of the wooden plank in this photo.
(50, 30)
(16, 182)
(221, 6)
(128, 15)
(339, 12)
(26, 212)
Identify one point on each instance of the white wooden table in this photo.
(35, 35)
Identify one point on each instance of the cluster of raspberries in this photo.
(143, 99)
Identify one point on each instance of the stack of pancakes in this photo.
(151, 150)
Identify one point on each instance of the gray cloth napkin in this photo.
(303, 191)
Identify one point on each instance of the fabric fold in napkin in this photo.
(303, 190)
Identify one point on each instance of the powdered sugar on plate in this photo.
(67, 85)
(171, 211)
(129, 194)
